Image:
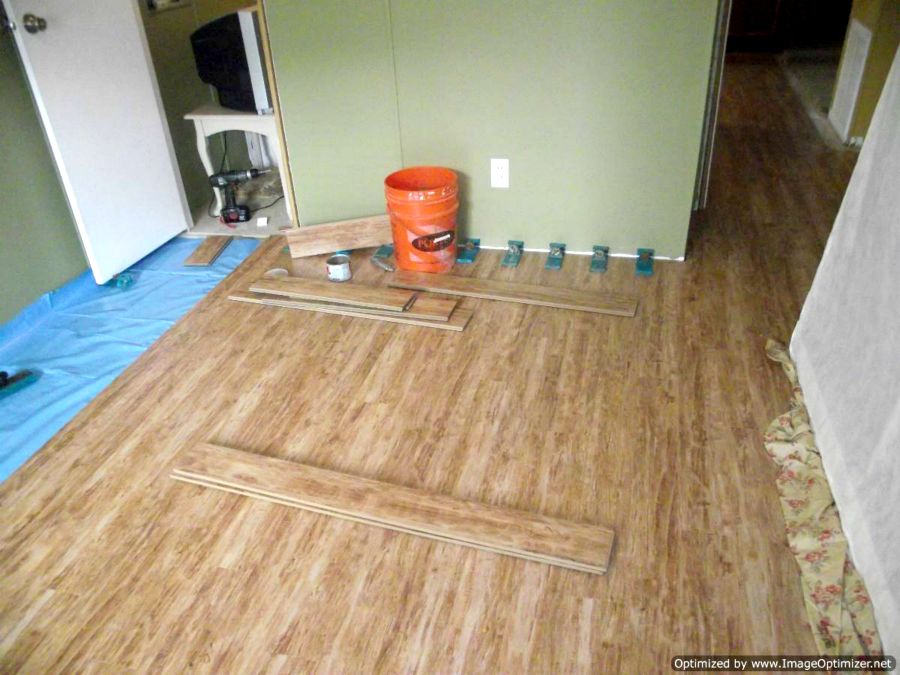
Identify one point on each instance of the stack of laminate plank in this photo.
(553, 541)
(350, 299)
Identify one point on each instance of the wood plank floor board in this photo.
(424, 306)
(207, 252)
(650, 426)
(339, 236)
(425, 534)
(529, 294)
(457, 321)
(357, 295)
(520, 533)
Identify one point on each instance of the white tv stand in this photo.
(212, 118)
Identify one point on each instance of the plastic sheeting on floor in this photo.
(82, 336)
(847, 350)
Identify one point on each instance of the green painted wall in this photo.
(882, 17)
(181, 90)
(207, 10)
(39, 247)
(335, 78)
(598, 105)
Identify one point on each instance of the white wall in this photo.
(847, 349)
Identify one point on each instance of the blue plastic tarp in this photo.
(81, 336)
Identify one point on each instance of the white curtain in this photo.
(847, 349)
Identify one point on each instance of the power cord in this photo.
(221, 168)
(273, 203)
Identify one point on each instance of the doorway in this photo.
(806, 38)
(209, 138)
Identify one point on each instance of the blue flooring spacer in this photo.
(644, 265)
(513, 255)
(555, 257)
(122, 280)
(600, 259)
(466, 253)
(384, 252)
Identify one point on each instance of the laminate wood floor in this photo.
(651, 426)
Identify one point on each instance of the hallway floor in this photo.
(812, 76)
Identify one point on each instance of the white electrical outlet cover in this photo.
(262, 221)
(499, 173)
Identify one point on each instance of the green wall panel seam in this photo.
(390, 22)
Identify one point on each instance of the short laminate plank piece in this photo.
(207, 252)
(519, 533)
(338, 236)
(424, 306)
(357, 295)
(457, 321)
(529, 294)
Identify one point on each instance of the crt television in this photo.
(229, 57)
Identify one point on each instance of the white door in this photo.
(96, 91)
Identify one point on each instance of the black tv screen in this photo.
(222, 62)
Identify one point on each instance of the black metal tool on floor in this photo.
(10, 384)
(233, 212)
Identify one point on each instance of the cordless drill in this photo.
(233, 212)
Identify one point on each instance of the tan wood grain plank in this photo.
(405, 509)
(338, 236)
(424, 306)
(297, 504)
(457, 321)
(207, 252)
(357, 295)
(529, 294)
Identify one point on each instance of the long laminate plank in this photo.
(424, 306)
(457, 321)
(295, 504)
(338, 236)
(207, 252)
(529, 294)
(401, 508)
(358, 295)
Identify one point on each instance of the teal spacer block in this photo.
(600, 259)
(466, 253)
(513, 255)
(644, 265)
(555, 257)
(384, 251)
(123, 280)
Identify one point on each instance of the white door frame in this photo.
(711, 116)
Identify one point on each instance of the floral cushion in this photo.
(837, 603)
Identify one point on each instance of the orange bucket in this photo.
(422, 203)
